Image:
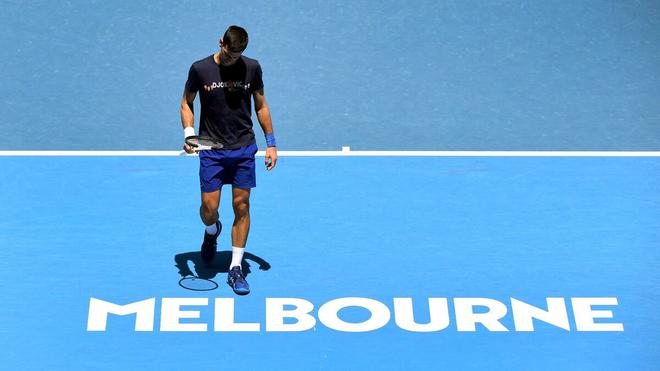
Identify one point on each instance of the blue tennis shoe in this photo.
(210, 244)
(237, 281)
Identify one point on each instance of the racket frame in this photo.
(193, 141)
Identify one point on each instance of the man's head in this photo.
(233, 43)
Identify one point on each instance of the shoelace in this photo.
(238, 273)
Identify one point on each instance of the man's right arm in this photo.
(188, 116)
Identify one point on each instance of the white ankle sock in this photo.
(212, 229)
(236, 256)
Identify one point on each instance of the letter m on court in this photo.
(97, 319)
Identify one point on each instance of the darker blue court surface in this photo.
(373, 75)
(115, 228)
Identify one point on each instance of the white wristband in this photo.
(188, 131)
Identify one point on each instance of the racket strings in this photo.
(202, 143)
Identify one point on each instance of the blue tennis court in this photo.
(381, 260)
(529, 228)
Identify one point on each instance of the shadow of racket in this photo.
(195, 283)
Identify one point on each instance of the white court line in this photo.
(346, 151)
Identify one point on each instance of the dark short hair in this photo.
(235, 38)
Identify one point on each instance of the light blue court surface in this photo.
(73, 228)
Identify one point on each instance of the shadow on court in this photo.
(191, 264)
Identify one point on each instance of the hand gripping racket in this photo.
(202, 143)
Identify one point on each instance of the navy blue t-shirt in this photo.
(225, 94)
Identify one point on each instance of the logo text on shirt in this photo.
(230, 85)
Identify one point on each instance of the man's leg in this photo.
(241, 227)
(239, 234)
(208, 212)
(209, 209)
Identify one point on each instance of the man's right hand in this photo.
(188, 149)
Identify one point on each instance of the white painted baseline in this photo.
(347, 152)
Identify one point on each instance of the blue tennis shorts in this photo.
(227, 166)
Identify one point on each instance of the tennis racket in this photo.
(197, 284)
(202, 143)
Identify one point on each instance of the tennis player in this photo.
(227, 81)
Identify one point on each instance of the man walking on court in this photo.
(226, 82)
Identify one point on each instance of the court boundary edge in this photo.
(346, 151)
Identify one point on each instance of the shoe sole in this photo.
(215, 249)
(210, 259)
(241, 293)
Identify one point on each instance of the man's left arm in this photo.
(263, 115)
